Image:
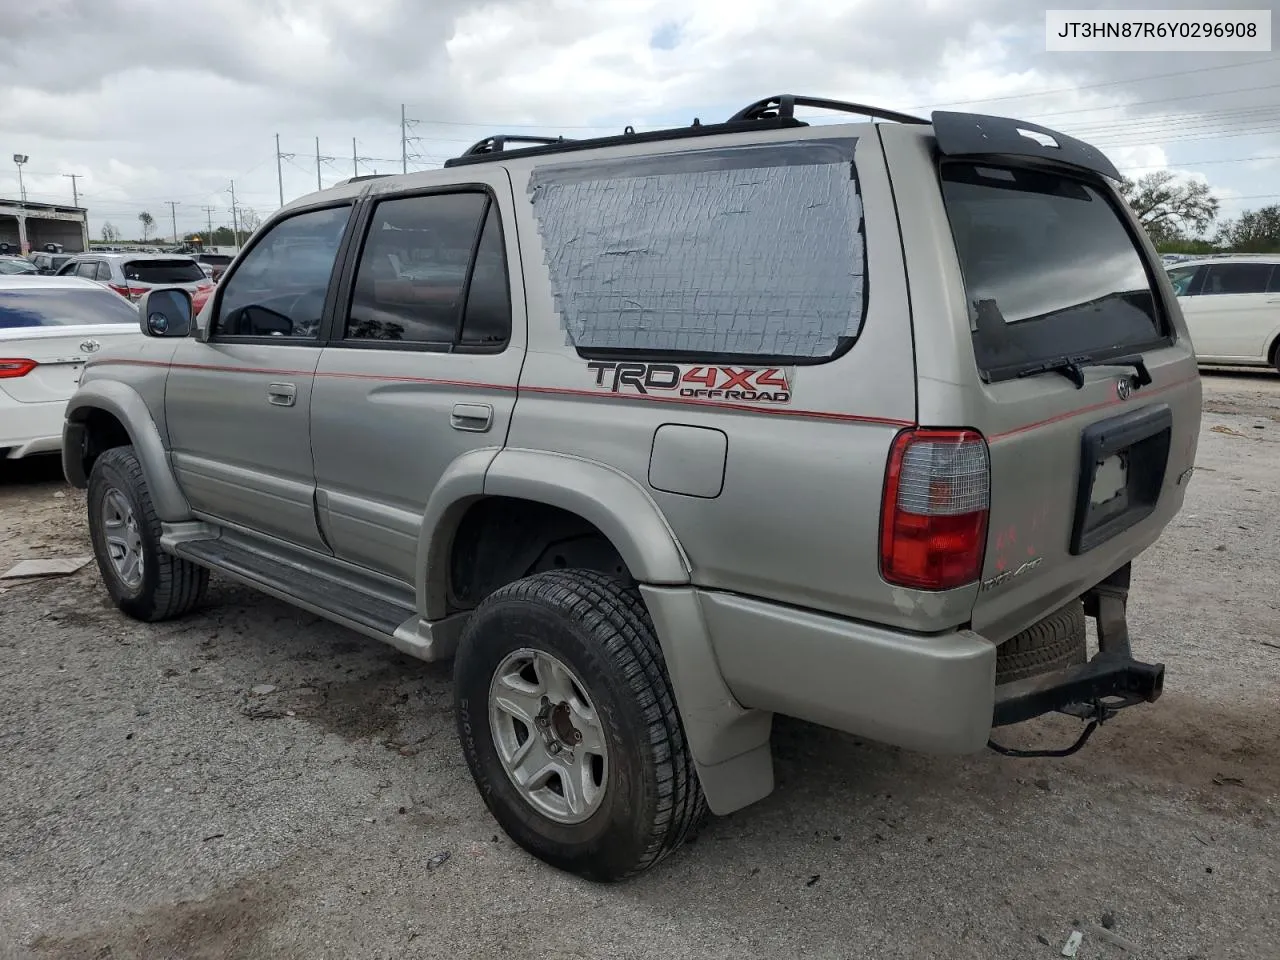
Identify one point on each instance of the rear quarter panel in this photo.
(796, 517)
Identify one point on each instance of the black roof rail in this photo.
(785, 106)
(498, 143)
(543, 146)
(363, 176)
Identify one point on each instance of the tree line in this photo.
(222, 236)
(1181, 216)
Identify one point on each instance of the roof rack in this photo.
(498, 143)
(785, 106)
(482, 153)
(363, 176)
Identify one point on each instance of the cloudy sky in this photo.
(171, 100)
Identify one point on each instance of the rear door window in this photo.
(163, 271)
(1050, 269)
(1225, 279)
(87, 269)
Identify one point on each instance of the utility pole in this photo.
(404, 142)
(319, 186)
(208, 212)
(355, 161)
(235, 217)
(173, 218)
(279, 172)
(75, 193)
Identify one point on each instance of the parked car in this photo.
(49, 263)
(17, 266)
(49, 327)
(661, 434)
(133, 274)
(1232, 308)
(217, 262)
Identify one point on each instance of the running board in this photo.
(355, 600)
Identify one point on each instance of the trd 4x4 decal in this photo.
(732, 384)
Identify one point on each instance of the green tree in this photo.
(109, 233)
(1169, 208)
(147, 221)
(1254, 231)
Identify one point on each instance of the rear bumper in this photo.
(27, 428)
(934, 693)
(931, 693)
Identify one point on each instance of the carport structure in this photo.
(27, 227)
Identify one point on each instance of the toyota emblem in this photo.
(1123, 388)
(89, 346)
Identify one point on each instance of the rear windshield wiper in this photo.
(1073, 368)
(1070, 367)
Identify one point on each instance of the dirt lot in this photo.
(152, 806)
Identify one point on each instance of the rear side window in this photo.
(1050, 269)
(418, 281)
(749, 253)
(87, 269)
(1222, 279)
(163, 271)
(50, 307)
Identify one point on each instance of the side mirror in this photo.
(165, 313)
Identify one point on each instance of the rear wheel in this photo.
(569, 726)
(1055, 642)
(143, 581)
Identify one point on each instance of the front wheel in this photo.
(569, 726)
(143, 581)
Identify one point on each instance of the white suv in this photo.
(1232, 308)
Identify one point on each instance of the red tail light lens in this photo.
(12, 369)
(132, 293)
(937, 499)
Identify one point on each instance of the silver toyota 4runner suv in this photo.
(664, 433)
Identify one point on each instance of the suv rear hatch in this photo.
(1066, 353)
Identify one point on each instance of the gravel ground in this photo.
(152, 805)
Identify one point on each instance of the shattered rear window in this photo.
(753, 251)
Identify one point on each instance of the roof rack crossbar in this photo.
(785, 106)
(498, 143)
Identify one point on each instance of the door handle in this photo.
(282, 394)
(473, 417)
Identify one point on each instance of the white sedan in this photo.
(1232, 308)
(49, 327)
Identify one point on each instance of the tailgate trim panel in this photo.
(1146, 434)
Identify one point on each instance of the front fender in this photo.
(126, 405)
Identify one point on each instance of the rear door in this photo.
(1040, 264)
(47, 334)
(422, 364)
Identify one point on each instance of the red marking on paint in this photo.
(507, 388)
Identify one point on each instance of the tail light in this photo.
(132, 293)
(937, 499)
(13, 369)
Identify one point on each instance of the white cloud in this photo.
(156, 101)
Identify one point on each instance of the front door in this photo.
(238, 399)
(421, 366)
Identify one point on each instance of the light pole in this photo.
(19, 159)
